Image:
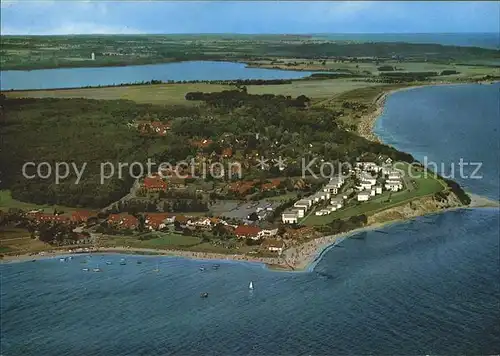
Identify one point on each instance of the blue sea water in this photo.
(447, 124)
(427, 286)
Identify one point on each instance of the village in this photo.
(264, 226)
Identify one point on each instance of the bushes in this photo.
(385, 69)
(458, 190)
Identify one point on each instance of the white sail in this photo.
(250, 286)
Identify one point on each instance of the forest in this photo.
(96, 131)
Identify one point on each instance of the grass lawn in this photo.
(283, 197)
(161, 241)
(161, 94)
(6, 202)
(15, 240)
(173, 94)
(419, 187)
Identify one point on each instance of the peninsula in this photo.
(275, 211)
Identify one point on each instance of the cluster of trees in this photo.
(237, 98)
(458, 190)
(338, 226)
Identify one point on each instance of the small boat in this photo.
(109, 263)
(85, 269)
(250, 286)
(202, 269)
(204, 295)
(96, 269)
(215, 266)
(62, 260)
(123, 262)
(139, 262)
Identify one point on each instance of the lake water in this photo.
(427, 286)
(191, 70)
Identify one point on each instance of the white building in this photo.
(394, 175)
(394, 187)
(372, 192)
(299, 211)
(307, 202)
(289, 218)
(363, 196)
(337, 202)
(365, 185)
(92, 56)
(378, 189)
(267, 233)
(332, 207)
(368, 166)
(368, 178)
(331, 188)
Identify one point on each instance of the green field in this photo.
(7, 202)
(174, 94)
(161, 241)
(420, 187)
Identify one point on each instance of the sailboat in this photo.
(96, 269)
(157, 269)
(250, 286)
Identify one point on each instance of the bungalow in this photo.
(372, 192)
(247, 231)
(378, 189)
(332, 207)
(267, 232)
(337, 202)
(289, 217)
(393, 186)
(300, 211)
(273, 245)
(305, 203)
(365, 185)
(331, 188)
(394, 175)
(368, 166)
(367, 177)
(363, 196)
(322, 212)
(337, 181)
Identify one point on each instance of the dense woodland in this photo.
(91, 131)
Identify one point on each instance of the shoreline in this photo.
(367, 122)
(298, 259)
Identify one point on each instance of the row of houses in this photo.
(368, 186)
(80, 216)
(329, 191)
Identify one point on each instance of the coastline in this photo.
(302, 257)
(367, 122)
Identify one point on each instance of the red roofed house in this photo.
(80, 216)
(202, 143)
(227, 152)
(154, 183)
(155, 127)
(51, 217)
(129, 222)
(273, 184)
(247, 231)
(158, 221)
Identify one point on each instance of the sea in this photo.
(427, 286)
